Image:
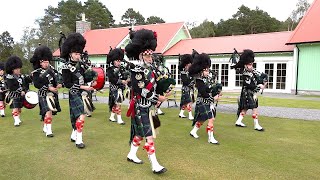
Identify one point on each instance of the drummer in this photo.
(15, 84)
(45, 79)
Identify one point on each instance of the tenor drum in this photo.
(30, 100)
(101, 78)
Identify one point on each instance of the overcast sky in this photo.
(15, 15)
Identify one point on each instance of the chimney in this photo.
(83, 26)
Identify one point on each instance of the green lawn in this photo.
(288, 149)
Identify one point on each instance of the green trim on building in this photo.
(309, 65)
(179, 36)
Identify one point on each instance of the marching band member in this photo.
(3, 88)
(248, 98)
(73, 77)
(200, 71)
(187, 86)
(46, 80)
(144, 97)
(117, 84)
(16, 87)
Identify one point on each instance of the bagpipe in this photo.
(215, 88)
(165, 82)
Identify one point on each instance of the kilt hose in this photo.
(202, 113)
(17, 102)
(185, 96)
(140, 124)
(76, 108)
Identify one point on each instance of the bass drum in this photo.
(30, 100)
(101, 78)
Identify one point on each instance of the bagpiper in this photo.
(47, 81)
(187, 86)
(144, 97)
(117, 84)
(251, 85)
(199, 70)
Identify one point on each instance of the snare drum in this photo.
(30, 100)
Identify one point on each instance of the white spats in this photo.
(239, 121)
(257, 125)
(191, 116)
(2, 113)
(194, 131)
(17, 121)
(181, 114)
(73, 136)
(132, 156)
(49, 131)
(112, 119)
(119, 120)
(156, 167)
(44, 129)
(211, 138)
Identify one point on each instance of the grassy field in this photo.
(288, 149)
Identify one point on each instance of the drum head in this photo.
(32, 97)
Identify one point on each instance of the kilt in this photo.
(202, 113)
(247, 100)
(16, 102)
(76, 106)
(115, 97)
(140, 124)
(43, 105)
(2, 96)
(185, 96)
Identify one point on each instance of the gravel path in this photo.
(281, 112)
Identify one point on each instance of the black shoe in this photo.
(72, 140)
(130, 160)
(161, 171)
(238, 125)
(182, 117)
(2, 115)
(259, 129)
(80, 146)
(161, 113)
(50, 135)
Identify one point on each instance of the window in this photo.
(215, 68)
(281, 76)
(179, 77)
(269, 67)
(173, 71)
(224, 74)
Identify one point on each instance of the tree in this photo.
(132, 17)
(297, 14)
(154, 20)
(98, 14)
(247, 21)
(69, 12)
(205, 29)
(6, 46)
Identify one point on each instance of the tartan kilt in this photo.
(202, 113)
(185, 96)
(140, 124)
(76, 106)
(247, 100)
(17, 102)
(43, 105)
(115, 98)
(2, 96)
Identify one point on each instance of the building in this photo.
(306, 39)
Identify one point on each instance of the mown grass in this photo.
(288, 149)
